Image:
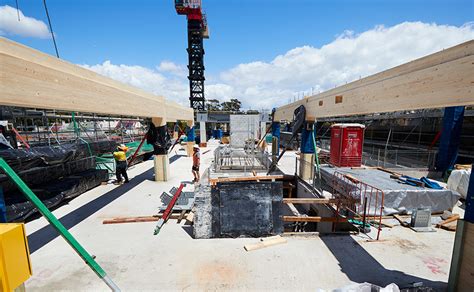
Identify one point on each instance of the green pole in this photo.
(316, 156)
(76, 128)
(57, 225)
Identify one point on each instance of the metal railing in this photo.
(399, 158)
(227, 158)
(394, 158)
(359, 199)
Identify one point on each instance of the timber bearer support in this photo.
(161, 159)
(307, 151)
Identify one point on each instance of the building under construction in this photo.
(363, 186)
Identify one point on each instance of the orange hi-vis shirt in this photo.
(196, 158)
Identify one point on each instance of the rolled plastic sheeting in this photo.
(459, 181)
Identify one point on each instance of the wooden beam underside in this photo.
(439, 80)
(30, 78)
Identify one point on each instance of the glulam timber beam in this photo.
(442, 79)
(30, 78)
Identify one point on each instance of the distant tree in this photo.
(252, 112)
(213, 105)
(231, 106)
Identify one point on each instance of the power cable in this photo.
(51, 28)
(17, 10)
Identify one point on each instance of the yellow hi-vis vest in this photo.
(120, 156)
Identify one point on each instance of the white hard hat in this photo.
(196, 147)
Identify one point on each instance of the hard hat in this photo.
(122, 147)
(196, 147)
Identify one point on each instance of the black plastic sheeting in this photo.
(44, 156)
(55, 173)
(40, 175)
(53, 194)
(242, 209)
(160, 138)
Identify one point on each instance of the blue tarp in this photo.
(450, 138)
(307, 145)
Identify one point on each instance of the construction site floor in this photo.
(172, 260)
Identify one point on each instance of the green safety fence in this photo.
(107, 161)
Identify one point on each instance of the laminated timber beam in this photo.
(30, 78)
(443, 79)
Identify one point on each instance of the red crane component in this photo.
(193, 11)
(169, 208)
(136, 151)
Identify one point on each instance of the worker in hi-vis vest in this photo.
(120, 157)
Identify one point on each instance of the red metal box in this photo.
(347, 141)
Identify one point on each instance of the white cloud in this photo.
(172, 68)
(270, 84)
(26, 27)
(147, 79)
(347, 58)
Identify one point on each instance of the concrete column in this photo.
(307, 152)
(202, 132)
(161, 161)
(161, 167)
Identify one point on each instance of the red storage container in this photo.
(346, 145)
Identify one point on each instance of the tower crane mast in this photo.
(197, 31)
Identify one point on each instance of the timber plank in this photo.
(312, 219)
(309, 201)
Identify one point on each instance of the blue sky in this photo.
(146, 33)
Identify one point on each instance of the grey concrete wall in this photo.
(243, 127)
(238, 209)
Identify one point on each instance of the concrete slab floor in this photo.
(137, 260)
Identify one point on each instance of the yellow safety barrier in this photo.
(15, 265)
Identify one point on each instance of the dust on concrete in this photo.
(224, 273)
(403, 244)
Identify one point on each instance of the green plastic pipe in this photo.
(316, 156)
(76, 129)
(57, 225)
